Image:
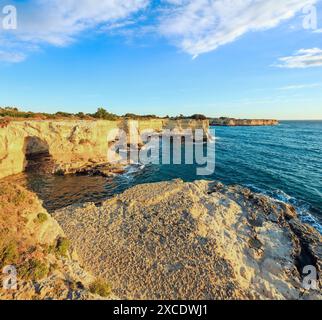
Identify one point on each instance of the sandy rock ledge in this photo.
(201, 240)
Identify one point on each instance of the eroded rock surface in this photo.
(202, 240)
(73, 145)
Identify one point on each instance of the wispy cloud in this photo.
(53, 22)
(12, 57)
(195, 26)
(301, 86)
(303, 58)
(199, 26)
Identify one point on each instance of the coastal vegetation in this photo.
(100, 287)
(33, 270)
(33, 243)
(62, 247)
(42, 217)
(9, 113)
(12, 113)
(17, 243)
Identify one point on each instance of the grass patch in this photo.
(62, 247)
(100, 287)
(33, 270)
(41, 217)
(9, 254)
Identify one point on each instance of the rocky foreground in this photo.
(202, 240)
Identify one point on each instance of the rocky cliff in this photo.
(201, 240)
(69, 145)
(230, 122)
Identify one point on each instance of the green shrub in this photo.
(140, 117)
(62, 247)
(42, 217)
(100, 287)
(9, 254)
(33, 270)
(80, 115)
(199, 117)
(101, 113)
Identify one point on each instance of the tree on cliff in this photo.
(198, 117)
(101, 113)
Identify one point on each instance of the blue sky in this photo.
(252, 59)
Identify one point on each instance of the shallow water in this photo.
(284, 162)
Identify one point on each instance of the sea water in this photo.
(283, 162)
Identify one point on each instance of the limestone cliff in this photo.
(71, 144)
(230, 122)
(202, 240)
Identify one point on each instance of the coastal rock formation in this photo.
(34, 244)
(231, 122)
(201, 240)
(68, 146)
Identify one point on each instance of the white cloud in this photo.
(12, 57)
(58, 23)
(199, 26)
(303, 58)
(195, 26)
(301, 86)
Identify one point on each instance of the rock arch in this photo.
(37, 155)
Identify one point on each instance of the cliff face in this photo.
(70, 144)
(201, 240)
(242, 122)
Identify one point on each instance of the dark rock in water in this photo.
(106, 170)
(95, 169)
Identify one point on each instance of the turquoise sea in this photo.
(284, 162)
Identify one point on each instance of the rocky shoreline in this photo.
(201, 240)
